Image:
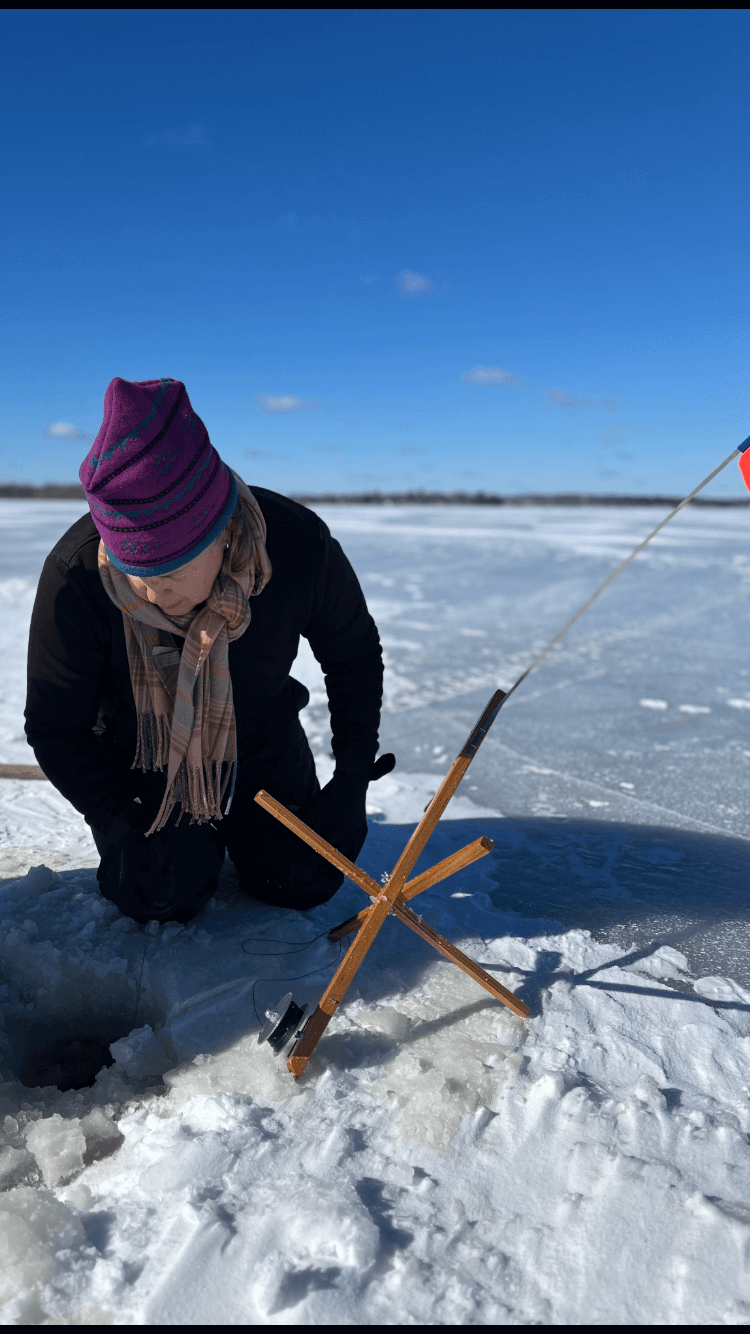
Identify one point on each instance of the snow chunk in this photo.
(58, 1146)
(13, 1163)
(32, 885)
(721, 989)
(653, 703)
(140, 1054)
(664, 963)
(102, 1134)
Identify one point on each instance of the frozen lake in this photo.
(441, 1162)
(463, 598)
(640, 718)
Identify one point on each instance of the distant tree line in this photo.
(50, 491)
(491, 498)
(72, 491)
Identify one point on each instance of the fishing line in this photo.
(272, 940)
(622, 566)
(140, 978)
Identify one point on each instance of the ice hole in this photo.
(69, 1063)
(62, 1015)
(64, 1038)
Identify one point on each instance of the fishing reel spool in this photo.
(284, 1024)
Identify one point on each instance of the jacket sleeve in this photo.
(345, 641)
(69, 651)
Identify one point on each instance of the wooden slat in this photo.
(345, 929)
(448, 866)
(426, 826)
(326, 850)
(424, 829)
(21, 771)
(303, 1050)
(484, 723)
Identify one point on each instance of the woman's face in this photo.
(177, 593)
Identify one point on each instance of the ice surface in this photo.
(442, 1162)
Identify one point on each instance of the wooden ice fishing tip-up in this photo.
(392, 897)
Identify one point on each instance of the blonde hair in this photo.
(238, 538)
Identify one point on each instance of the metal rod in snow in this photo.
(623, 565)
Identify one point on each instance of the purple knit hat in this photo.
(159, 493)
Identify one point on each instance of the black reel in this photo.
(283, 1024)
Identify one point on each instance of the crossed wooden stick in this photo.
(393, 896)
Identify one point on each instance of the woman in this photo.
(159, 696)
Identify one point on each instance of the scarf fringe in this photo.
(152, 749)
(199, 792)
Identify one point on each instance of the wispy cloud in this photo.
(566, 400)
(415, 284)
(263, 454)
(285, 403)
(490, 375)
(614, 437)
(617, 435)
(412, 449)
(66, 431)
(194, 136)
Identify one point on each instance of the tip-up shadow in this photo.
(638, 886)
(548, 970)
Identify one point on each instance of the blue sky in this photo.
(454, 249)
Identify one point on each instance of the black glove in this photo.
(168, 876)
(284, 870)
(115, 823)
(382, 766)
(337, 813)
(125, 858)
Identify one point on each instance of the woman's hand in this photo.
(338, 814)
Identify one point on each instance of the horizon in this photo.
(74, 491)
(437, 249)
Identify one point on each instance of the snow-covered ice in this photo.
(441, 1162)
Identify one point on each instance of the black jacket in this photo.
(78, 667)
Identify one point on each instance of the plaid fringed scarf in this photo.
(185, 710)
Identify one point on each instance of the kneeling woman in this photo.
(160, 698)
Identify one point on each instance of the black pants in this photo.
(184, 860)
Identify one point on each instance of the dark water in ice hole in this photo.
(68, 1063)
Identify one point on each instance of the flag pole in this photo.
(741, 449)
